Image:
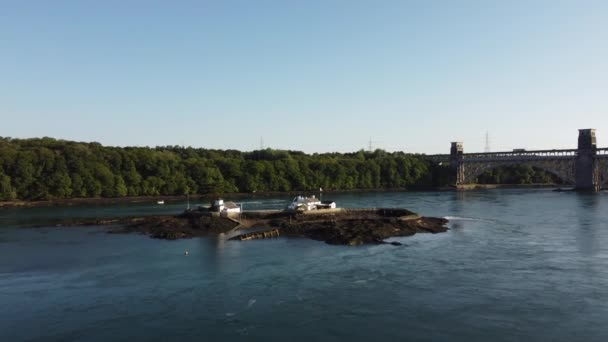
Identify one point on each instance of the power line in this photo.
(487, 148)
(370, 144)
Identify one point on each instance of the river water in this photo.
(516, 265)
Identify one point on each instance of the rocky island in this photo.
(334, 226)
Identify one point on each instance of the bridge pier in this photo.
(456, 162)
(587, 173)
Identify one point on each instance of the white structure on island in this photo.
(310, 203)
(225, 207)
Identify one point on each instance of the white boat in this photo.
(304, 203)
(160, 202)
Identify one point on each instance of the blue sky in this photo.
(307, 75)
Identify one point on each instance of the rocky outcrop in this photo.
(354, 231)
(339, 226)
(353, 227)
(176, 227)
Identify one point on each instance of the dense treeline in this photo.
(46, 168)
(36, 169)
(517, 174)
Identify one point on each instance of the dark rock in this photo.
(350, 227)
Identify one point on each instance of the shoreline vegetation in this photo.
(181, 198)
(45, 169)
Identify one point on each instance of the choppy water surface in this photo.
(516, 265)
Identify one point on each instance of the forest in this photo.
(47, 168)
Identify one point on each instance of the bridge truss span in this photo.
(586, 167)
(563, 168)
(520, 156)
(602, 153)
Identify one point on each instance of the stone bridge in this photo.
(585, 168)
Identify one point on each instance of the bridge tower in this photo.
(587, 169)
(456, 162)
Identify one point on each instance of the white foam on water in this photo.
(458, 218)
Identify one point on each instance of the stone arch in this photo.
(563, 169)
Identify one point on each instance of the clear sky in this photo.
(306, 75)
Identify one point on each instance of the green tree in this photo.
(6, 189)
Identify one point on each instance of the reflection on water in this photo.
(589, 222)
(457, 204)
(516, 265)
(216, 254)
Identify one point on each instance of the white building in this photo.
(304, 203)
(225, 207)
